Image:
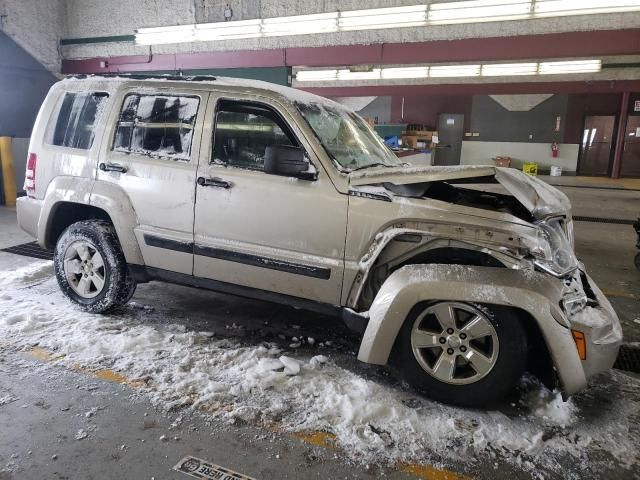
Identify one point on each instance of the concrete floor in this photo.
(53, 403)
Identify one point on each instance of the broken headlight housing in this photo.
(555, 253)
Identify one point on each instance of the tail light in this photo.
(30, 175)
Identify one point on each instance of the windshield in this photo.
(346, 137)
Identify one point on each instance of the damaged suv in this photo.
(458, 278)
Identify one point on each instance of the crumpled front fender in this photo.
(536, 293)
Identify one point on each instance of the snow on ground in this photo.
(263, 383)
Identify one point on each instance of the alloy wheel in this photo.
(454, 342)
(84, 269)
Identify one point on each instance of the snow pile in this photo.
(265, 384)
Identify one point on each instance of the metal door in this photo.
(450, 132)
(631, 153)
(596, 147)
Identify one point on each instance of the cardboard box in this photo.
(502, 161)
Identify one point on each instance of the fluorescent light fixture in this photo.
(411, 16)
(405, 72)
(548, 8)
(228, 30)
(571, 66)
(467, 11)
(316, 75)
(300, 24)
(161, 35)
(478, 11)
(509, 69)
(346, 74)
(454, 71)
(365, 72)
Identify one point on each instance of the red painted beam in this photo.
(555, 45)
(620, 136)
(604, 86)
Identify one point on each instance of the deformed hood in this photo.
(541, 199)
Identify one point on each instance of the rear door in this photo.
(153, 156)
(267, 232)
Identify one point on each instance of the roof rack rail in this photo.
(151, 76)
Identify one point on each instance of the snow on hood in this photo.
(541, 199)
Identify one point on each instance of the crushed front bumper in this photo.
(601, 328)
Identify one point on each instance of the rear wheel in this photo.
(90, 266)
(461, 353)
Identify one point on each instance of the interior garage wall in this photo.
(424, 109)
(495, 123)
(37, 26)
(482, 153)
(24, 83)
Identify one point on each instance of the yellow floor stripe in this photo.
(315, 438)
(616, 294)
(39, 353)
(319, 439)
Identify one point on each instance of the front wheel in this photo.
(460, 353)
(90, 267)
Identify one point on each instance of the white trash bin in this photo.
(556, 171)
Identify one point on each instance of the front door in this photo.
(152, 154)
(267, 232)
(596, 148)
(450, 132)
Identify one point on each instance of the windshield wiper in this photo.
(371, 165)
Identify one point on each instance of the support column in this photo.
(8, 173)
(620, 136)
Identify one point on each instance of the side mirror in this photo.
(288, 161)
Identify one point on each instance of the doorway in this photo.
(631, 150)
(450, 132)
(596, 149)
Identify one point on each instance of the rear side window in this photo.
(157, 125)
(73, 125)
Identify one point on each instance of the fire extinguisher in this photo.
(554, 150)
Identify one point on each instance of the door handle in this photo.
(112, 167)
(214, 182)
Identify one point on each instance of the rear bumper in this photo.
(29, 210)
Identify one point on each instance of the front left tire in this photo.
(461, 353)
(90, 267)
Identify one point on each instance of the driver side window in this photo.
(243, 131)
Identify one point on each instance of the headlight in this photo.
(555, 254)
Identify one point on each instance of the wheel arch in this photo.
(534, 297)
(391, 256)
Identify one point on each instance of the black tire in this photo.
(637, 260)
(130, 288)
(118, 284)
(502, 378)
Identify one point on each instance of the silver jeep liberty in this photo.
(458, 278)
